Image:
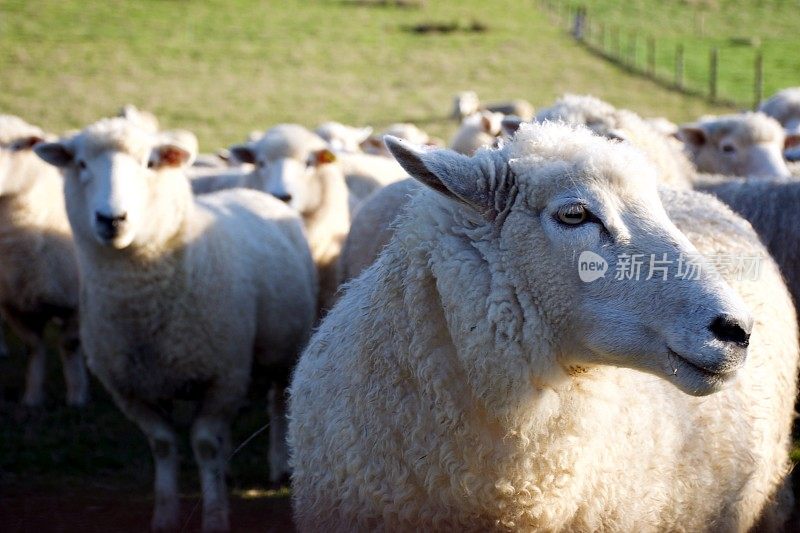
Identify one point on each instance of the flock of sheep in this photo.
(456, 373)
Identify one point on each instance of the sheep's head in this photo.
(784, 107)
(116, 175)
(292, 164)
(343, 138)
(17, 137)
(565, 209)
(749, 144)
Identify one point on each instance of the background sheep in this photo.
(467, 103)
(445, 390)
(374, 144)
(784, 106)
(747, 144)
(343, 138)
(179, 295)
(144, 119)
(297, 167)
(674, 169)
(38, 272)
(477, 131)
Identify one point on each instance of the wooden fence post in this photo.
(759, 80)
(651, 57)
(679, 66)
(713, 71)
(633, 41)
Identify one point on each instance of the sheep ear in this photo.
(792, 140)
(57, 153)
(170, 156)
(26, 143)
(445, 171)
(692, 134)
(510, 125)
(243, 152)
(364, 134)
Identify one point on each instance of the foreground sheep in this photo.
(38, 271)
(673, 168)
(297, 167)
(747, 144)
(180, 295)
(466, 382)
(784, 106)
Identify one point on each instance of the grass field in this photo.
(222, 69)
(737, 28)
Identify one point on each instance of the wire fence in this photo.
(663, 61)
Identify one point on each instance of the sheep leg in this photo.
(74, 368)
(30, 329)
(4, 352)
(164, 445)
(278, 451)
(211, 444)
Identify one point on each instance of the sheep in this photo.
(674, 168)
(366, 173)
(746, 144)
(784, 106)
(468, 380)
(467, 103)
(179, 295)
(297, 167)
(343, 138)
(38, 270)
(144, 119)
(477, 131)
(374, 144)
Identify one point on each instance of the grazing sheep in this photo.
(180, 295)
(477, 131)
(467, 103)
(297, 167)
(38, 271)
(468, 380)
(674, 169)
(374, 144)
(784, 106)
(343, 138)
(747, 144)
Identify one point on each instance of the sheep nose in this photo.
(284, 197)
(111, 221)
(729, 329)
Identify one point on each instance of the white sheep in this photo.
(144, 119)
(297, 167)
(374, 143)
(469, 380)
(477, 131)
(674, 169)
(38, 271)
(467, 103)
(180, 295)
(343, 138)
(745, 144)
(784, 106)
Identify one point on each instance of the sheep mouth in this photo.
(704, 381)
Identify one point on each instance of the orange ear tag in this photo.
(325, 156)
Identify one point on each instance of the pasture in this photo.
(224, 68)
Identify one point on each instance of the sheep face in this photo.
(292, 164)
(556, 196)
(750, 144)
(116, 173)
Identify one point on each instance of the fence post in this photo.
(651, 57)
(759, 80)
(679, 66)
(602, 37)
(712, 74)
(615, 51)
(633, 40)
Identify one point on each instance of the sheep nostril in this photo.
(728, 329)
(284, 197)
(111, 221)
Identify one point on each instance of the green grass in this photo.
(224, 68)
(737, 28)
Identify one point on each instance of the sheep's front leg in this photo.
(163, 442)
(278, 448)
(74, 368)
(4, 352)
(211, 445)
(34, 378)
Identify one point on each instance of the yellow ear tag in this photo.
(325, 156)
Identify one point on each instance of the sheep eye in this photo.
(81, 164)
(728, 148)
(261, 164)
(573, 214)
(151, 163)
